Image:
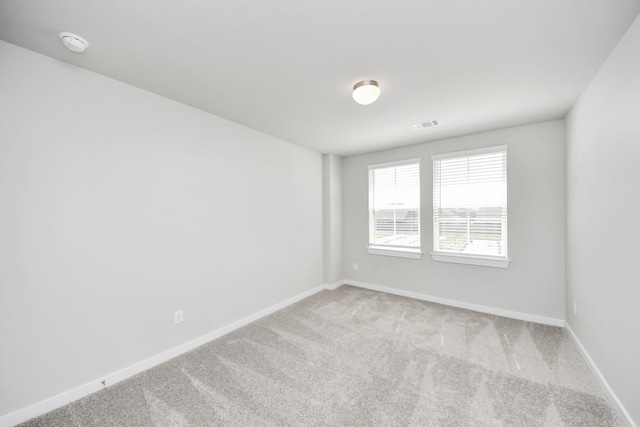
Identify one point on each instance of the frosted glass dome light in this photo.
(366, 92)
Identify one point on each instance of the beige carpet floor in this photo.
(354, 357)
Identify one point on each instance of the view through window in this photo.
(394, 205)
(470, 203)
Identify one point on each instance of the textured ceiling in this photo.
(286, 67)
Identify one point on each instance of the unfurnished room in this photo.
(374, 213)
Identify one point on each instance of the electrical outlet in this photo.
(178, 316)
(575, 307)
(355, 265)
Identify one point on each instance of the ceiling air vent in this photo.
(427, 124)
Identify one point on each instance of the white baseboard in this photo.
(72, 395)
(334, 286)
(461, 304)
(615, 402)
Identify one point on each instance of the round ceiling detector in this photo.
(366, 92)
(74, 42)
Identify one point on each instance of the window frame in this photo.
(471, 259)
(389, 250)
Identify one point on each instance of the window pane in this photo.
(470, 204)
(394, 206)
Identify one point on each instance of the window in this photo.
(394, 209)
(470, 207)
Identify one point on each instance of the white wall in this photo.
(603, 232)
(332, 217)
(534, 282)
(117, 207)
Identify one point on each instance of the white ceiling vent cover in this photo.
(427, 124)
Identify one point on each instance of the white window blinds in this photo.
(470, 203)
(394, 204)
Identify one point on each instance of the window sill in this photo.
(472, 260)
(396, 252)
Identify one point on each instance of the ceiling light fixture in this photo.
(74, 42)
(366, 92)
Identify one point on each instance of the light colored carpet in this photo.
(356, 357)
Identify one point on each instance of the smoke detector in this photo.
(74, 42)
(427, 124)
